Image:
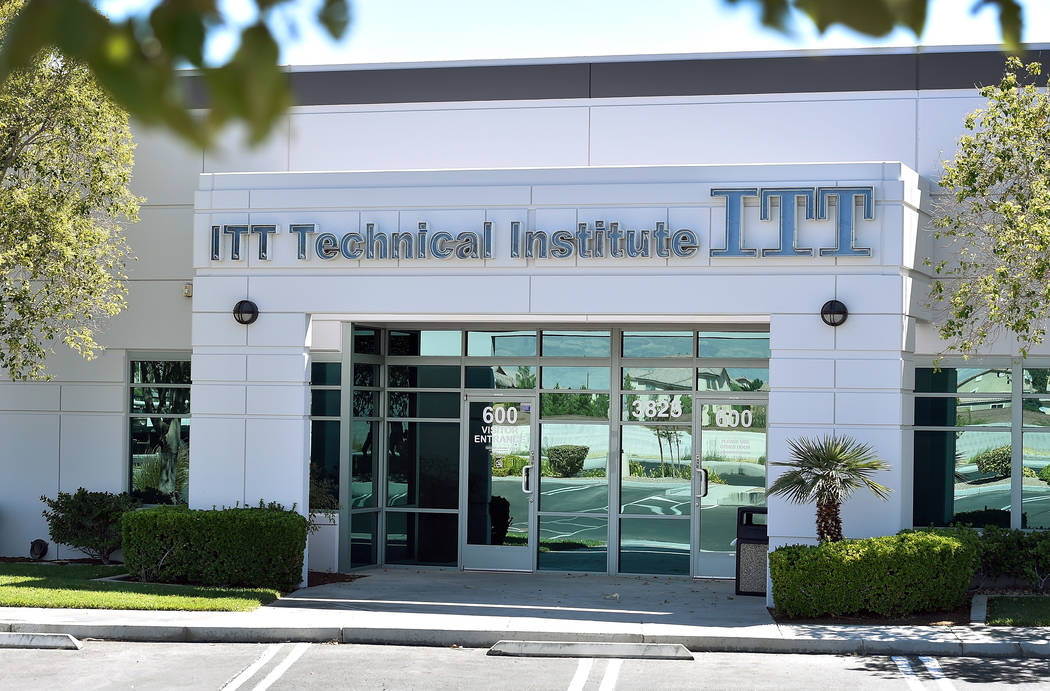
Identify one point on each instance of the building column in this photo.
(250, 400)
(845, 380)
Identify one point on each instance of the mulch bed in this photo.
(956, 617)
(59, 562)
(323, 578)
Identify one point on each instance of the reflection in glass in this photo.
(160, 372)
(324, 463)
(163, 401)
(425, 404)
(366, 375)
(573, 543)
(366, 341)
(733, 452)
(734, 344)
(363, 538)
(426, 343)
(366, 404)
(423, 464)
(657, 344)
(324, 402)
(1035, 481)
(364, 460)
(733, 379)
(422, 538)
(961, 380)
(498, 447)
(500, 377)
(325, 373)
(659, 469)
(582, 378)
(574, 461)
(1036, 380)
(499, 343)
(654, 546)
(957, 472)
(574, 406)
(160, 459)
(657, 379)
(576, 344)
(423, 376)
(1035, 412)
(950, 412)
(657, 407)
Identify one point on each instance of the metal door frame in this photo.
(534, 477)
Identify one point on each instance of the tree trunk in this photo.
(829, 522)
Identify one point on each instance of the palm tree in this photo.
(828, 471)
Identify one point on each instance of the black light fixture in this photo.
(245, 312)
(834, 313)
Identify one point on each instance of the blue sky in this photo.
(425, 30)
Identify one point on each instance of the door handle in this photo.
(703, 484)
(525, 478)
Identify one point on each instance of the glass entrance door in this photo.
(500, 479)
(729, 472)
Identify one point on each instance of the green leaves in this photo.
(880, 17)
(136, 60)
(65, 162)
(996, 223)
(827, 472)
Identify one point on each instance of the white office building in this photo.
(558, 315)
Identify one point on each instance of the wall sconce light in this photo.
(245, 312)
(834, 313)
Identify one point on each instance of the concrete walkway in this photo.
(472, 609)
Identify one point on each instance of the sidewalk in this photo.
(472, 609)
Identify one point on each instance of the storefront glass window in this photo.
(653, 344)
(734, 344)
(974, 428)
(501, 343)
(576, 344)
(159, 442)
(325, 380)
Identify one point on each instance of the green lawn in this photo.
(42, 585)
(1019, 611)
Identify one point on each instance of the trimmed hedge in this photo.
(891, 576)
(254, 548)
(566, 460)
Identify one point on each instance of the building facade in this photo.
(550, 316)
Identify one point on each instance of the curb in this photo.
(956, 642)
(39, 641)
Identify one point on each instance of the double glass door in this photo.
(501, 477)
(687, 463)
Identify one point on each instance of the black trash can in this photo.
(752, 546)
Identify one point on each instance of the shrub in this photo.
(1044, 474)
(255, 548)
(88, 521)
(986, 517)
(892, 576)
(994, 461)
(566, 460)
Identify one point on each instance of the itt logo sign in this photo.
(816, 201)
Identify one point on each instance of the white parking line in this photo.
(934, 668)
(583, 670)
(612, 673)
(906, 671)
(275, 674)
(250, 670)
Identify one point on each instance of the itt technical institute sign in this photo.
(599, 239)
